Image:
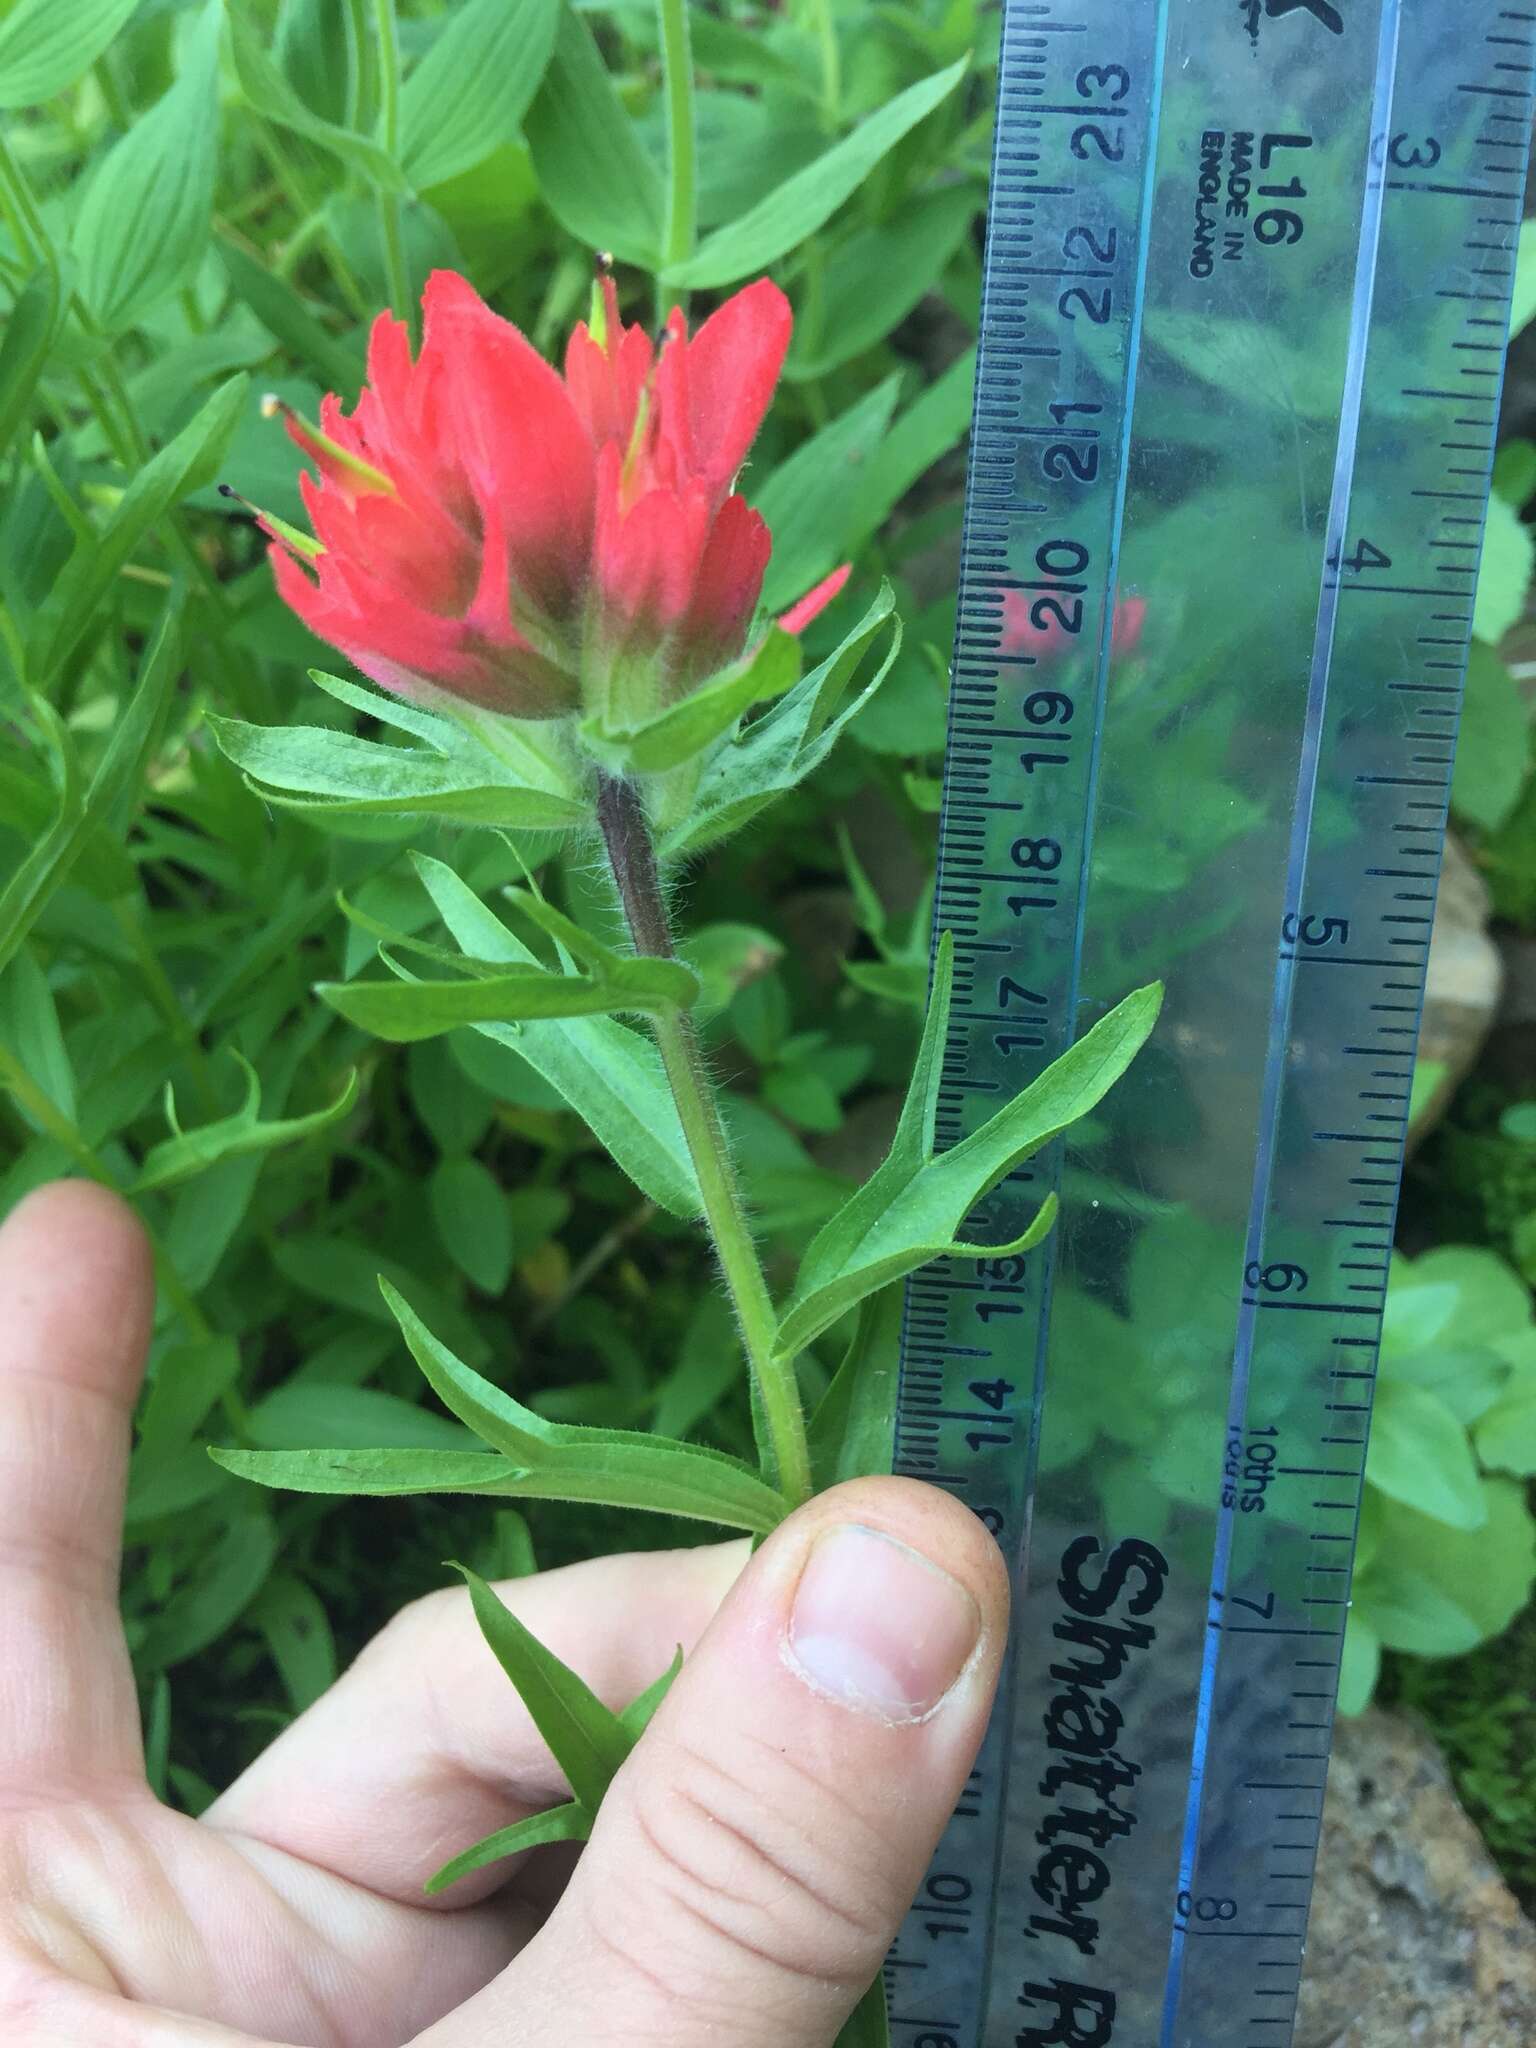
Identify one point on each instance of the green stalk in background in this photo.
(400, 298)
(681, 229)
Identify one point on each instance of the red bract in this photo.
(531, 542)
(1022, 635)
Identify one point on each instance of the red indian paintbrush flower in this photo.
(530, 541)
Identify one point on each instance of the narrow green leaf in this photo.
(800, 205)
(323, 1415)
(791, 739)
(569, 1823)
(868, 2025)
(287, 319)
(179, 468)
(192, 1152)
(811, 501)
(609, 1075)
(640, 1712)
(852, 1433)
(908, 1212)
(594, 173)
(32, 326)
(45, 45)
(667, 984)
(586, 1740)
(113, 787)
(620, 1467)
(293, 1619)
(270, 94)
(404, 1011)
(935, 422)
(695, 721)
(375, 1474)
(145, 219)
(470, 91)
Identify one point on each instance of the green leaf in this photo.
(909, 1211)
(799, 206)
(226, 1575)
(567, 1461)
(937, 421)
(144, 222)
(376, 1474)
(405, 1011)
(1505, 1435)
(270, 94)
(610, 1075)
(1493, 743)
(874, 277)
(31, 328)
(1504, 572)
(320, 771)
(586, 1740)
(868, 2025)
(853, 1431)
(811, 500)
(641, 1711)
(191, 1152)
(471, 1215)
(569, 1823)
(1360, 1665)
(298, 1631)
(46, 46)
(594, 173)
(179, 468)
(316, 1414)
(1522, 309)
(470, 91)
(29, 1028)
(1419, 1454)
(1493, 1300)
(115, 783)
(287, 319)
(782, 747)
(694, 722)
(1439, 1591)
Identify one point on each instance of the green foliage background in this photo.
(204, 201)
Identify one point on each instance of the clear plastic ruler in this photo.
(1247, 282)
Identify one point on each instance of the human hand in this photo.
(747, 1871)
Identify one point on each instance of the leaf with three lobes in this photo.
(189, 1152)
(569, 1823)
(909, 1211)
(694, 722)
(610, 1075)
(568, 1461)
(778, 750)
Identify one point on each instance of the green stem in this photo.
(831, 63)
(682, 177)
(633, 861)
(388, 43)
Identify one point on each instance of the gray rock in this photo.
(1462, 988)
(1414, 1939)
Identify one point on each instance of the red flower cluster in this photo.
(529, 541)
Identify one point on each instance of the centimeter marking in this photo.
(1245, 296)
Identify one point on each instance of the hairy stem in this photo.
(632, 858)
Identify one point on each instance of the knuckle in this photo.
(768, 1859)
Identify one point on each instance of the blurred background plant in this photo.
(201, 203)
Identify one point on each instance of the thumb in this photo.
(754, 1857)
